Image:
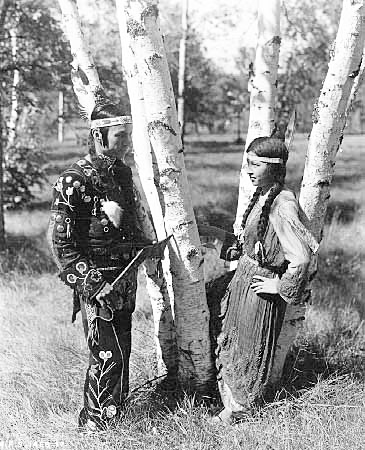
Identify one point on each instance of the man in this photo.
(94, 234)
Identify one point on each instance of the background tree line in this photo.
(212, 96)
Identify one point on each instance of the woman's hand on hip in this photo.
(264, 285)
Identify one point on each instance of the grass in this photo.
(322, 401)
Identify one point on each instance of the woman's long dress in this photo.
(251, 323)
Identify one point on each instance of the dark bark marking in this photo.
(276, 40)
(159, 124)
(135, 29)
(169, 171)
(150, 11)
(323, 183)
(315, 113)
(356, 72)
(183, 224)
(340, 141)
(192, 253)
(153, 59)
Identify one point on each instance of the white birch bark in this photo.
(182, 67)
(60, 115)
(330, 112)
(262, 87)
(159, 285)
(14, 108)
(329, 115)
(191, 311)
(80, 51)
(4, 5)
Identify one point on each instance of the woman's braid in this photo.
(250, 206)
(264, 218)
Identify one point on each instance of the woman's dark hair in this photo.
(270, 147)
(105, 110)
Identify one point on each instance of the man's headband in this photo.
(265, 159)
(119, 120)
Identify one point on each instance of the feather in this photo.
(113, 211)
(81, 87)
(83, 94)
(290, 129)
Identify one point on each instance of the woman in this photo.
(274, 252)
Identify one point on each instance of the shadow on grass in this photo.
(342, 211)
(222, 216)
(340, 348)
(26, 255)
(309, 362)
(166, 395)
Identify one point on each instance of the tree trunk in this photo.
(330, 113)
(60, 115)
(262, 86)
(14, 109)
(4, 5)
(157, 284)
(191, 311)
(2, 222)
(182, 68)
(357, 83)
(79, 48)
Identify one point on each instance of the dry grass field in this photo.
(322, 402)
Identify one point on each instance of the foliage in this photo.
(206, 101)
(308, 29)
(206, 86)
(23, 171)
(41, 61)
(42, 54)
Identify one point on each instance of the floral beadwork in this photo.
(99, 399)
(105, 355)
(89, 280)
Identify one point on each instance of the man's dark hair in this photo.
(106, 110)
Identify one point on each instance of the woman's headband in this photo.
(265, 159)
(119, 120)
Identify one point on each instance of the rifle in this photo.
(149, 251)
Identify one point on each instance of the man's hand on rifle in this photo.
(104, 297)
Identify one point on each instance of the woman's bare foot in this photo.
(224, 417)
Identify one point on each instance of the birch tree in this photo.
(159, 286)
(79, 48)
(61, 120)
(329, 119)
(191, 311)
(14, 108)
(182, 67)
(262, 87)
(4, 5)
(329, 115)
